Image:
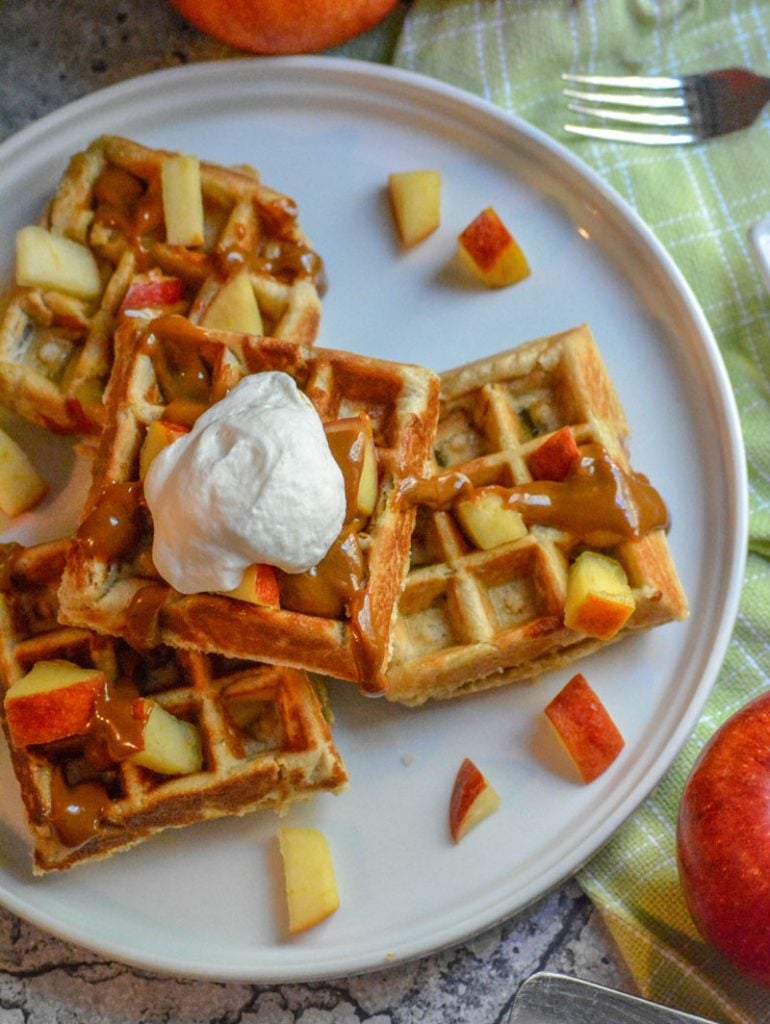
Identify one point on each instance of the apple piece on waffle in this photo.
(119, 239)
(335, 619)
(260, 732)
(471, 616)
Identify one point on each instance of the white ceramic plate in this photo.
(207, 901)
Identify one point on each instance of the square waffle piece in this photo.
(480, 608)
(335, 619)
(263, 739)
(133, 248)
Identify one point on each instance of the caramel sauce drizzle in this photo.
(337, 587)
(598, 502)
(115, 523)
(113, 734)
(133, 208)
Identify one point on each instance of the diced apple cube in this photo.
(487, 521)
(555, 458)
(234, 307)
(473, 799)
(152, 291)
(182, 200)
(46, 260)
(21, 486)
(311, 885)
(585, 727)
(415, 198)
(258, 586)
(491, 251)
(54, 700)
(171, 745)
(599, 599)
(160, 434)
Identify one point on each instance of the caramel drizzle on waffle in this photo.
(344, 606)
(599, 503)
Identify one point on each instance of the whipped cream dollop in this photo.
(253, 481)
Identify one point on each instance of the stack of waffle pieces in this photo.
(406, 604)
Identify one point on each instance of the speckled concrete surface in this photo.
(52, 53)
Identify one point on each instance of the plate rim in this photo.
(506, 122)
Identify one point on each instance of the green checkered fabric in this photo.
(700, 201)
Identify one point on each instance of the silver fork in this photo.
(668, 110)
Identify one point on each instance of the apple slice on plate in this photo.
(585, 728)
(415, 198)
(473, 799)
(488, 248)
(311, 884)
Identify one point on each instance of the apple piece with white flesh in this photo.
(310, 881)
(180, 179)
(488, 248)
(599, 599)
(54, 700)
(351, 442)
(234, 307)
(55, 262)
(486, 520)
(21, 486)
(585, 728)
(473, 799)
(159, 435)
(258, 586)
(172, 746)
(415, 199)
(152, 291)
(556, 457)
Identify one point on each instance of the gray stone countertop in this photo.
(51, 54)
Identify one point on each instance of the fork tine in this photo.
(627, 81)
(633, 116)
(622, 135)
(627, 99)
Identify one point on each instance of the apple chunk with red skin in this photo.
(473, 799)
(258, 586)
(54, 700)
(152, 291)
(599, 598)
(585, 727)
(556, 457)
(723, 840)
(488, 248)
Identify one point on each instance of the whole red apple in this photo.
(723, 840)
(284, 26)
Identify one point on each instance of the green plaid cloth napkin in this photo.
(700, 201)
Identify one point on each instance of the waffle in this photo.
(471, 619)
(56, 350)
(113, 587)
(265, 739)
